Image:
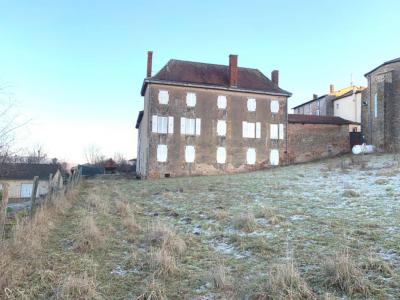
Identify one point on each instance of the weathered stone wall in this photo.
(381, 122)
(307, 142)
(207, 142)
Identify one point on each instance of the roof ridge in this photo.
(210, 64)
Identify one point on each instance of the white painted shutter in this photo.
(183, 125)
(191, 99)
(274, 157)
(162, 153)
(198, 126)
(274, 132)
(281, 132)
(154, 124)
(163, 97)
(221, 102)
(258, 130)
(221, 128)
(190, 126)
(251, 130)
(244, 129)
(274, 106)
(221, 155)
(251, 104)
(251, 156)
(162, 124)
(170, 124)
(190, 154)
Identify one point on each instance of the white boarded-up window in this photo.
(221, 155)
(251, 156)
(277, 132)
(163, 97)
(191, 99)
(221, 102)
(274, 106)
(274, 157)
(376, 105)
(274, 131)
(162, 125)
(281, 132)
(258, 130)
(190, 154)
(221, 128)
(190, 126)
(251, 130)
(251, 104)
(162, 153)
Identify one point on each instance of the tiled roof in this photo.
(212, 75)
(312, 119)
(384, 64)
(23, 171)
(312, 100)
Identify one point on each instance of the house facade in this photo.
(380, 116)
(344, 103)
(19, 177)
(201, 119)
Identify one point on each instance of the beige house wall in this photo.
(348, 108)
(14, 189)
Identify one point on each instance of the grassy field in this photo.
(324, 230)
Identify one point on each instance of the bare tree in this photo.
(93, 155)
(120, 159)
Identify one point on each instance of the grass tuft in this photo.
(220, 279)
(90, 237)
(78, 287)
(245, 222)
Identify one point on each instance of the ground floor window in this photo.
(190, 154)
(162, 153)
(251, 156)
(221, 155)
(274, 157)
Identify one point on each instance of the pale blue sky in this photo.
(76, 67)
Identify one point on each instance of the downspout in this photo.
(370, 110)
(286, 133)
(148, 132)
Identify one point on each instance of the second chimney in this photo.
(275, 77)
(314, 96)
(149, 63)
(331, 89)
(233, 70)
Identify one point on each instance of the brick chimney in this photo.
(275, 77)
(233, 70)
(149, 63)
(331, 89)
(314, 96)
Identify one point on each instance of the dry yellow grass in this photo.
(343, 273)
(90, 237)
(162, 262)
(245, 222)
(131, 224)
(285, 282)
(220, 279)
(78, 287)
(154, 291)
(162, 235)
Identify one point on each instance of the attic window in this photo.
(191, 99)
(221, 102)
(251, 104)
(274, 106)
(163, 97)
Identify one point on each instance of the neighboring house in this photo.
(201, 118)
(19, 176)
(380, 116)
(315, 137)
(344, 103)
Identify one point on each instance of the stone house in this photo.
(380, 115)
(202, 118)
(19, 177)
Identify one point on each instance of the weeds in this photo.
(90, 237)
(220, 279)
(245, 222)
(78, 287)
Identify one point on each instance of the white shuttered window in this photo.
(277, 132)
(190, 154)
(251, 104)
(221, 102)
(251, 130)
(191, 99)
(162, 125)
(162, 153)
(190, 126)
(163, 97)
(221, 155)
(274, 106)
(251, 156)
(221, 128)
(274, 157)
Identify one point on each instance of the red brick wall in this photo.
(307, 142)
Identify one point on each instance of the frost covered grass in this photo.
(324, 230)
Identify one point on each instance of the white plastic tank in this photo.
(360, 149)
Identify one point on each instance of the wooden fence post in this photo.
(3, 209)
(33, 195)
(50, 190)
